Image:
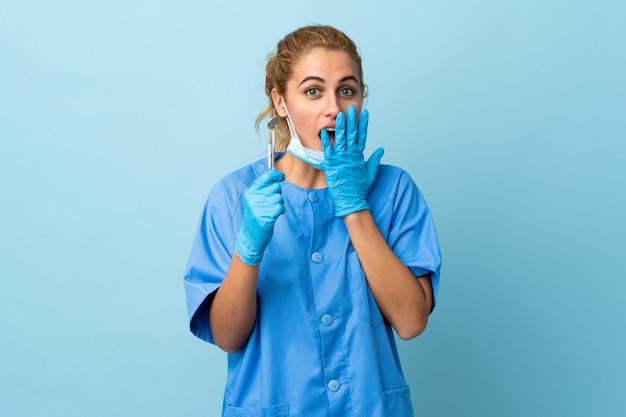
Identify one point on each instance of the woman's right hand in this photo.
(263, 204)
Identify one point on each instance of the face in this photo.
(324, 82)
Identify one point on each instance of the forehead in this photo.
(328, 64)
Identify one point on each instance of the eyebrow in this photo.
(319, 79)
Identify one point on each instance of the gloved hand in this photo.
(262, 204)
(348, 176)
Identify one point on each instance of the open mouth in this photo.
(331, 134)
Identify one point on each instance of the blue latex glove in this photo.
(262, 204)
(348, 176)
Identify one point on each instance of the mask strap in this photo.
(292, 129)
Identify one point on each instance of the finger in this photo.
(275, 175)
(374, 160)
(272, 188)
(281, 206)
(273, 201)
(340, 133)
(364, 119)
(351, 131)
(261, 180)
(326, 147)
(273, 209)
(262, 183)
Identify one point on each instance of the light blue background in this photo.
(116, 118)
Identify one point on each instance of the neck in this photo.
(300, 173)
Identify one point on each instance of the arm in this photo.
(404, 300)
(232, 313)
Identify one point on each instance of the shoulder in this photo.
(392, 180)
(242, 177)
(232, 185)
(391, 173)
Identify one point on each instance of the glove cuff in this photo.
(247, 256)
(345, 209)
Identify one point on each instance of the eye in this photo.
(346, 92)
(312, 92)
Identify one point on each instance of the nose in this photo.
(332, 106)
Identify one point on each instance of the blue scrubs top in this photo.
(320, 345)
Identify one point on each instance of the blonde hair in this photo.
(288, 52)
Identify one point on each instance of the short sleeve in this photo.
(209, 260)
(410, 229)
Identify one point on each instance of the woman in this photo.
(300, 273)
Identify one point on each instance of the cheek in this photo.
(302, 122)
(358, 105)
(309, 135)
(308, 132)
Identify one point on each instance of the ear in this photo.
(278, 104)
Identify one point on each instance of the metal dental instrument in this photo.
(271, 142)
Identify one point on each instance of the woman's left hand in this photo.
(348, 176)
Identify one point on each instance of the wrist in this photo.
(357, 217)
(246, 251)
(346, 209)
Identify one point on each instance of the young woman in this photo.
(300, 273)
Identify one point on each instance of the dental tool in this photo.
(271, 142)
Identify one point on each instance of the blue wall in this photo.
(117, 117)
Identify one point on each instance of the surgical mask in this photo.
(310, 156)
